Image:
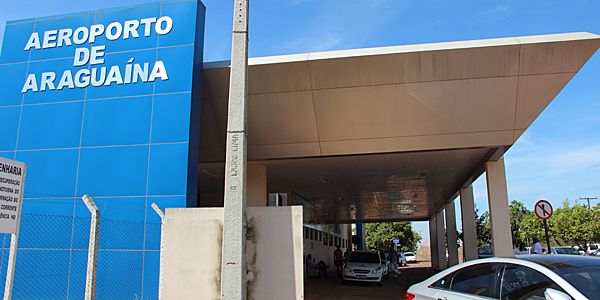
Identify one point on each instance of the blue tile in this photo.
(168, 169)
(50, 126)
(77, 273)
(121, 234)
(192, 201)
(179, 63)
(15, 40)
(9, 122)
(45, 231)
(56, 207)
(127, 7)
(184, 28)
(47, 280)
(152, 237)
(11, 85)
(121, 121)
(58, 67)
(117, 208)
(70, 22)
(128, 283)
(126, 89)
(171, 118)
(113, 171)
(122, 15)
(50, 173)
(151, 274)
(8, 154)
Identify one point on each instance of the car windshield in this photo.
(409, 254)
(565, 251)
(372, 258)
(486, 251)
(586, 279)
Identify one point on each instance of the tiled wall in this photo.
(128, 145)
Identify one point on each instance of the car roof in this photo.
(559, 261)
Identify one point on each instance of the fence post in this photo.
(10, 270)
(161, 214)
(92, 263)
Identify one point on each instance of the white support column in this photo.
(499, 211)
(92, 262)
(452, 234)
(467, 212)
(441, 238)
(233, 263)
(161, 214)
(433, 246)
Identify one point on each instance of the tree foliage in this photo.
(577, 224)
(484, 230)
(379, 236)
(518, 213)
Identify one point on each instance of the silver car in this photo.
(557, 277)
(365, 266)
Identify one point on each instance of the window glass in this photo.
(306, 232)
(520, 282)
(330, 240)
(585, 279)
(325, 238)
(372, 258)
(476, 280)
(443, 283)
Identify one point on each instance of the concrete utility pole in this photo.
(588, 200)
(233, 264)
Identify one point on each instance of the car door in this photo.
(523, 283)
(472, 282)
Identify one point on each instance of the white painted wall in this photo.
(192, 253)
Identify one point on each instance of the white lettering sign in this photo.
(92, 56)
(12, 178)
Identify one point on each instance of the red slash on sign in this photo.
(543, 209)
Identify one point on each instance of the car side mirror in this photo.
(552, 294)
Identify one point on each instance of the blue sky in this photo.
(558, 157)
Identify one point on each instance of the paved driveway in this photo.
(332, 289)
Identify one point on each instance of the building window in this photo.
(325, 238)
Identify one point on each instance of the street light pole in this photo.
(233, 263)
(588, 200)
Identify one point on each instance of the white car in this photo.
(365, 266)
(411, 257)
(557, 277)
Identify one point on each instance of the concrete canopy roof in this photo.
(396, 130)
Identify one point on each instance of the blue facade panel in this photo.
(105, 103)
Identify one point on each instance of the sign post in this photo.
(543, 209)
(12, 179)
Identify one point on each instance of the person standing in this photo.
(394, 256)
(339, 262)
(346, 255)
(537, 247)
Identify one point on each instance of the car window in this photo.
(477, 280)
(443, 283)
(519, 282)
(408, 254)
(585, 279)
(364, 257)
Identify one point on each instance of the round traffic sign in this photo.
(543, 209)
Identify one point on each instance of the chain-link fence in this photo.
(53, 252)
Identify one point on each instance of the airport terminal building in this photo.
(119, 104)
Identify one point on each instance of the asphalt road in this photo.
(332, 288)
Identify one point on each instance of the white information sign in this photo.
(12, 178)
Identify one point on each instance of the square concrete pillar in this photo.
(257, 186)
(452, 234)
(467, 211)
(499, 211)
(441, 240)
(433, 246)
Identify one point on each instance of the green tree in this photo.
(532, 226)
(379, 236)
(484, 230)
(518, 212)
(577, 224)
